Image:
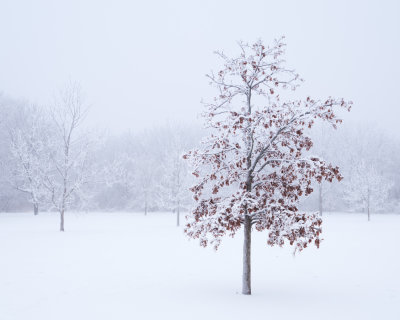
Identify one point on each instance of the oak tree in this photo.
(252, 169)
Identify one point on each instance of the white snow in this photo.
(131, 266)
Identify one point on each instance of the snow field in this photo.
(131, 266)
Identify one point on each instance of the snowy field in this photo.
(130, 266)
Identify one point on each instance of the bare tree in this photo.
(175, 182)
(147, 174)
(366, 189)
(28, 142)
(120, 174)
(70, 151)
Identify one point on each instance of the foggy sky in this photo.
(143, 62)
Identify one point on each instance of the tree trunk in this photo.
(177, 216)
(320, 199)
(35, 209)
(246, 285)
(62, 220)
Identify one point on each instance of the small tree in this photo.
(366, 188)
(326, 143)
(147, 188)
(29, 156)
(69, 152)
(121, 172)
(149, 158)
(251, 170)
(175, 183)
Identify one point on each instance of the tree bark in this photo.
(35, 209)
(246, 284)
(62, 220)
(246, 277)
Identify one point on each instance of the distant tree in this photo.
(70, 151)
(120, 174)
(251, 169)
(326, 144)
(366, 189)
(12, 117)
(29, 157)
(147, 187)
(175, 182)
(145, 171)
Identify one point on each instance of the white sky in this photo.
(143, 62)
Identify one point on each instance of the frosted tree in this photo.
(147, 188)
(326, 144)
(12, 112)
(366, 189)
(70, 155)
(251, 169)
(29, 155)
(145, 171)
(175, 183)
(367, 160)
(120, 174)
(148, 150)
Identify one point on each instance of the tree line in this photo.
(51, 161)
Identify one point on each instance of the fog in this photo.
(142, 63)
(129, 127)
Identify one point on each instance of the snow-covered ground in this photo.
(130, 266)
